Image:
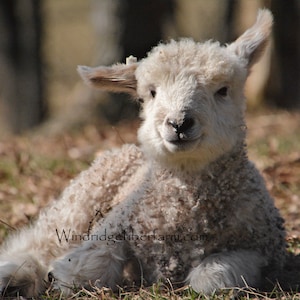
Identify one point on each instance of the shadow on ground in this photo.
(288, 279)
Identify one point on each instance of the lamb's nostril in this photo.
(186, 125)
(173, 123)
(181, 127)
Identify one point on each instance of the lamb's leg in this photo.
(97, 263)
(22, 265)
(25, 257)
(22, 275)
(227, 270)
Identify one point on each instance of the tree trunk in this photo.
(22, 98)
(284, 83)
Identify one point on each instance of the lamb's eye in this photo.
(140, 100)
(222, 91)
(153, 93)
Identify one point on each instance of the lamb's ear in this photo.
(118, 78)
(252, 43)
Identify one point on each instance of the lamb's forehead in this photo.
(208, 61)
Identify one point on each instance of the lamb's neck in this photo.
(234, 159)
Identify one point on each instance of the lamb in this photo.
(186, 205)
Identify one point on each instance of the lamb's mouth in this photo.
(180, 145)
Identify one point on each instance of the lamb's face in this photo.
(192, 94)
(193, 102)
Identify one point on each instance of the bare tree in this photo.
(283, 89)
(22, 94)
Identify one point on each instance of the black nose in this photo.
(181, 127)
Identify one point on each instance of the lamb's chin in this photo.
(181, 147)
(174, 155)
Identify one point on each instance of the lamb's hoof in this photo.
(7, 290)
(21, 278)
(51, 277)
(58, 285)
(13, 283)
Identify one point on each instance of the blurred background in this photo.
(42, 42)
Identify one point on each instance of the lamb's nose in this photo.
(183, 126)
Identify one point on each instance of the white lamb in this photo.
(187, 205)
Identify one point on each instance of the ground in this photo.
(34, 169)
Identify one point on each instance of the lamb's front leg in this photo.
(227, 270)
(98, 263)
(26, 255)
